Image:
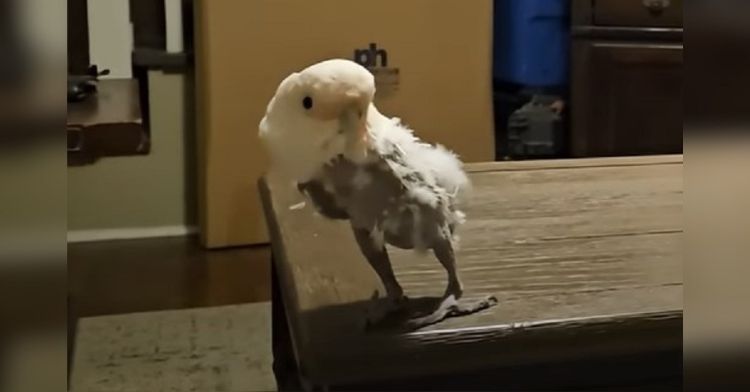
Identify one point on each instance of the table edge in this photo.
(573, 163)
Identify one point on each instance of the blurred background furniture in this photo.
(586, 78)
(107, 123)
(626, 77)
(530, 77)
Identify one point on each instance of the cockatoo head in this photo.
(318, 114)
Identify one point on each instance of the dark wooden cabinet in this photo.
(627, 98)
(626, 81)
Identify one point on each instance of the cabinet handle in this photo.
(656, 7)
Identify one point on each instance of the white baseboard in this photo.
(129, 233)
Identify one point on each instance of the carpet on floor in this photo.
(216, 349)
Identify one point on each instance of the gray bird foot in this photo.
(451, 307)
(381, 308)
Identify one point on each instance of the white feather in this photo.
(441, 166)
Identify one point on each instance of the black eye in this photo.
(307, 102)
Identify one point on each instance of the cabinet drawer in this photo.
(640, 13)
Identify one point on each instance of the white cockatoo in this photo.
(322, 130)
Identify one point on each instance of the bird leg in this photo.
(377, 256)
(449, 306)
(444, 253)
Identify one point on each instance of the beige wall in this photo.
(149, 191)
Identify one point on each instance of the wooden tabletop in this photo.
(583, 255)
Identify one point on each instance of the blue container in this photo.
(531, 42)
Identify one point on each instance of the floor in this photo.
(106, 278)
(221, 348)
(167, 273)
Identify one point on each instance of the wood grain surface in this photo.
(583, 255)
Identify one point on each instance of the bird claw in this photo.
(297, 206)
(397, 301)
(401, 301)
(450, 307)
(381, 309)
(448, 304)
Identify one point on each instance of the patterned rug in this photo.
(219, 349)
